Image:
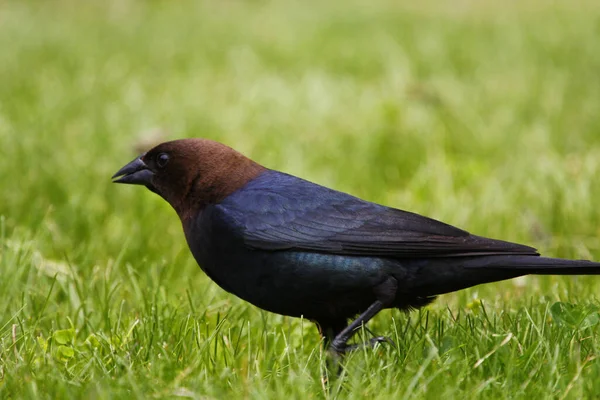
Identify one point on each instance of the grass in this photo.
(479, 114)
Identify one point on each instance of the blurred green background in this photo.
(481, 114)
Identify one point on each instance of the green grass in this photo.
(481, 115)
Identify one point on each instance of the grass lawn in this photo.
(483, 114)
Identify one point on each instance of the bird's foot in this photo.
(340, 348)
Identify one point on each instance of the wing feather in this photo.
(279, 212)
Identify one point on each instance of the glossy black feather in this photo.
(277, 211)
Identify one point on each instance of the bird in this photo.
(296, 248)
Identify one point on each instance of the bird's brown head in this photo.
(190, 173)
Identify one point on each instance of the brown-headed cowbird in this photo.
(295, 248)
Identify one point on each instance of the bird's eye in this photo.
(162, 159)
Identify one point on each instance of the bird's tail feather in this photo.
(448, 275)
(537, 265)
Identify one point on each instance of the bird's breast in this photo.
(286, 282)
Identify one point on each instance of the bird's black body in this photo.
(297, 248)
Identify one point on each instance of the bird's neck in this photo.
(212, 185)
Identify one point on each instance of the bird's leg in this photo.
(339, 346)
(329, 330)
(369, 343)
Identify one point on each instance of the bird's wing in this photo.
(285, 212)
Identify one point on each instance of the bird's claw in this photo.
(342, 348)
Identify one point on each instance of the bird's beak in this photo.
(135, 173)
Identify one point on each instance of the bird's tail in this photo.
(448, 275)
(537, 265)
